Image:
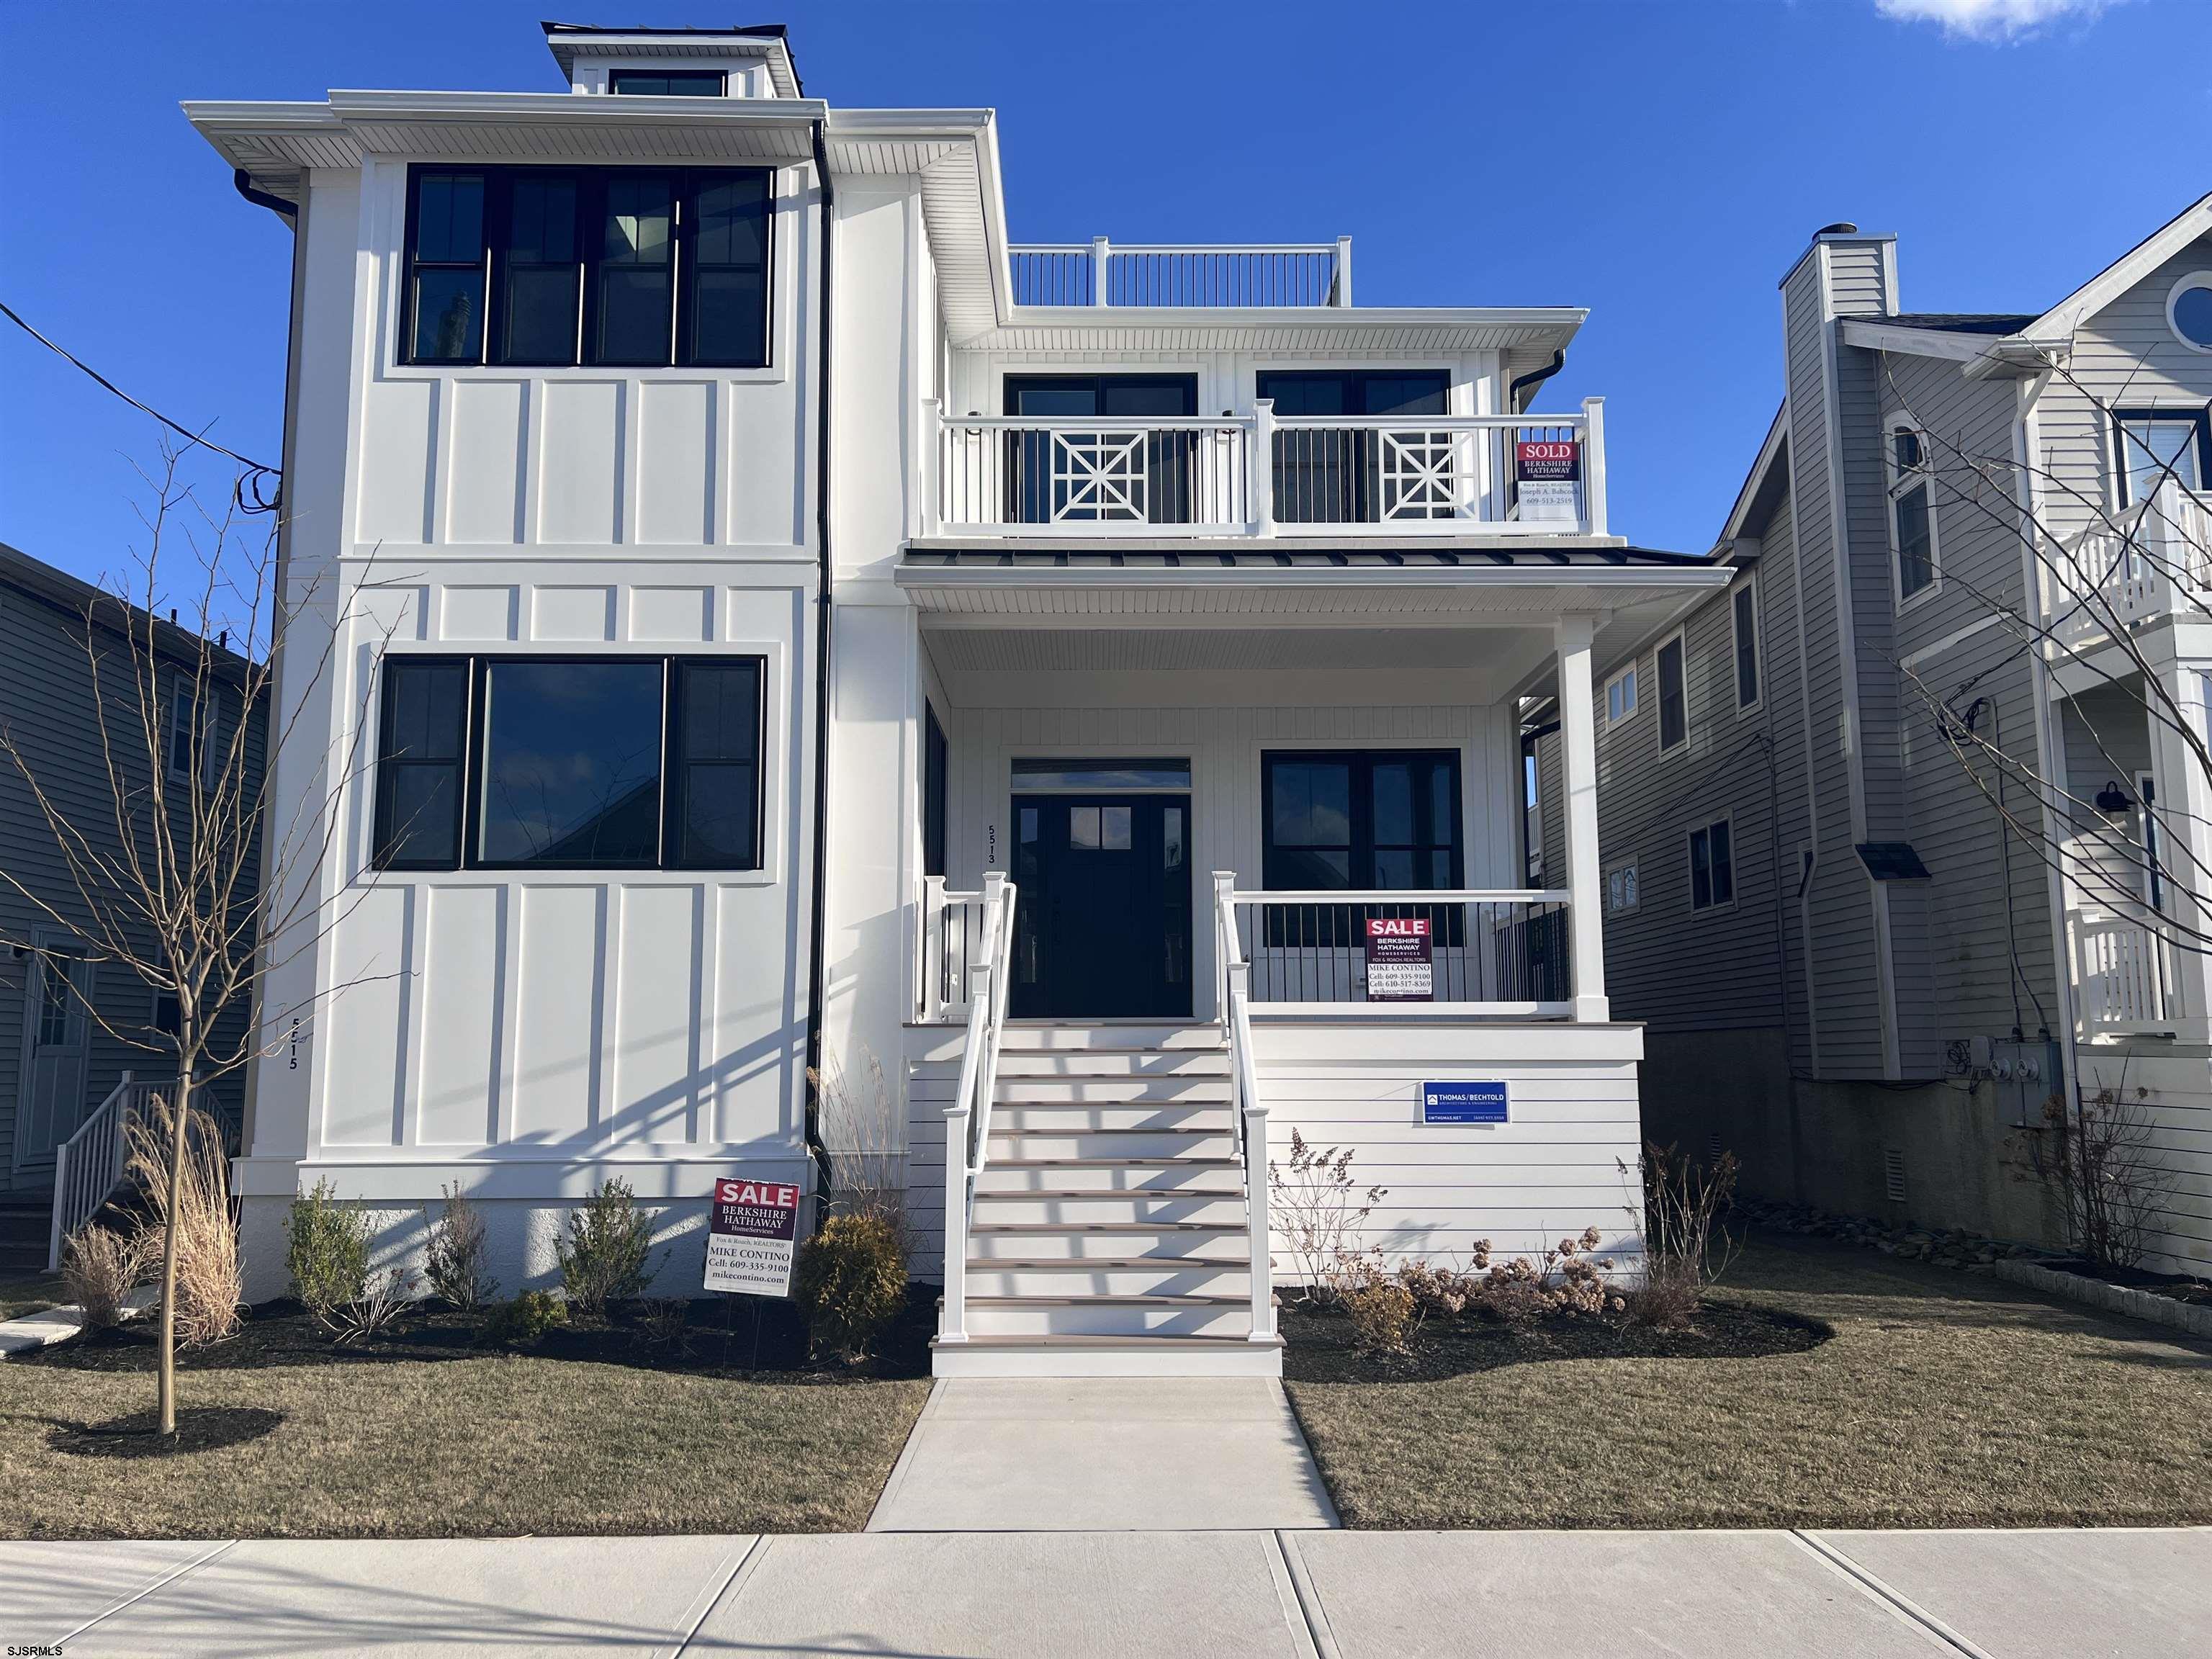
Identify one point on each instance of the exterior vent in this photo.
(1714, 1150)
(1893, 1174)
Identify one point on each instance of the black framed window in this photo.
(1375, 819)
(630, 267)
(445, 266)
(1674, 695)
(537, 278)
(724, 218)
(2156, 444)
(1746, 615)
(715, 768)
(1074, 477)
(667, 83)
(1334, 475)
(570, 763)
(936, 767)
(420, 756)
(1712, 866)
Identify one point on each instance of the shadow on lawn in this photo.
(1319, 1348)
(207, 1428)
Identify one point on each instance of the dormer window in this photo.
(668, 83)
(636, 267)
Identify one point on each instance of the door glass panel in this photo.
(1114, 828)
(1172, 838)
(1059, 777)
(1083, 826)
(56, 1002)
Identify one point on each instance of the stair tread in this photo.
(1105, 1263)
(1220, 1194)
(1109, 1300)
(1111, 1163)
(1096, 1339)
(1108, 1227)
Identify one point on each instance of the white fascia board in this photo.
(1599, 579)
(351, 104)
(2123, 273)
(1874, 335)
(1550, 325)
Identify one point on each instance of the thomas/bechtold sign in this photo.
(751, 1235)
(1400, 963)
(1479, 1100)
(1547, 472)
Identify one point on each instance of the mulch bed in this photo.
(719, 1336)
(1319, 1346)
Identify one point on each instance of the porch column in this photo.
(2182, 809)
(1578, 782)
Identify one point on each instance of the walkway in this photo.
(1128, 1595)
(1141, 1454)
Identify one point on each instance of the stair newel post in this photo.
(1252, 1120)
(1225, 943)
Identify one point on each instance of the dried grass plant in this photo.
(210, 1288)
(861, 1133)
(101, 1268)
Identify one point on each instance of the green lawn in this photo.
(476, 1444)
(1942, 1398)
(28, 1293)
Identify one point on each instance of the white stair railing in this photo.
(88, 1165)
(968, 1118)
(1233, 1010)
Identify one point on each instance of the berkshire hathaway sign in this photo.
(1399, 959)
(752, 1236)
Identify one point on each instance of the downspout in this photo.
(1514, 402)
(818, 964)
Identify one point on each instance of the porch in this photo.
(1208, 854)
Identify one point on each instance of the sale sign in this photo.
(752, 1236)
(1547, 473)
(1400, 962)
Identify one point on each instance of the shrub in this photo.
(851, 1283)
(664, 1322)
(328, 1255)
(529, 1316)
(1382, 1315)
(383, 1297)
(99, 1269)
(1316, 1205)
(1682, 1202)
(210, 1286)
(603, 1259)
(2111, 1178)
(454, 1262)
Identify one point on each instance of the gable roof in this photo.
(2125, 272)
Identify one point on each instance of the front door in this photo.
(1102, 916)
(52, 1090)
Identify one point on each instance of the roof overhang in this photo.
(569, 42)
(1399, 329)
(2029, 352)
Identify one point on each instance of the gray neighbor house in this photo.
(1907, 830)
(72, 1025)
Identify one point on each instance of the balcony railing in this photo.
(1261, 474)
(2120, 967)
(2154, 559)
(1500, 952)
(1097, 273)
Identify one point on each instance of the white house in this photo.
(778, 614)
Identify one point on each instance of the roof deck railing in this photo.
(1234, 274)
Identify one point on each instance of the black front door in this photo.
(1101, 917)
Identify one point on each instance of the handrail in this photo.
(88, 1165)
(1236, 275)
(968, 1117)
(1249, 1110)
(1402, 896)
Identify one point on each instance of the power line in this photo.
(257, 468)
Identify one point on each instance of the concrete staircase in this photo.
(1109, 1235)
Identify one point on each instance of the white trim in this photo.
(2195, 279)
(1897, 483)
(1626, 672)
(1678, 637)
(1950, 346)
(1747, 589)
(1913, 660)
(2123, 273)
(1689, 856)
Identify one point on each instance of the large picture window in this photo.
(595, 762)
(633, 267)
(1381, 819)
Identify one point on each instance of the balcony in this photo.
(2153, 561)
(1260, 476)
(1097, 273)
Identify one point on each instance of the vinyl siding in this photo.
(48, 704)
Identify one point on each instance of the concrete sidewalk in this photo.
(1321, 1595)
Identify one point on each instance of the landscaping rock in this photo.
(1956, 1247)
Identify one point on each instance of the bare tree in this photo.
(181, 865)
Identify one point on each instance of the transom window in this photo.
(2155, 445)
(638, 267)
(1712, 866)
(1674, 694)
(598, 762)
(1911, 513)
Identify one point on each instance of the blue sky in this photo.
(1662, 164)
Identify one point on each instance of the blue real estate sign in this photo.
(1483, 1101)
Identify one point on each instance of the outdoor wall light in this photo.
(2112, 800)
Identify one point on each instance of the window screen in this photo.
(725, 287)
(538, 280)
(445, 268)
(716, 787)
(418, 764)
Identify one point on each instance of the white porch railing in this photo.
(1500, 952)
(968, 1118)
(951, 947)
(2154, 559)
(2119, 966)
(1097, 273)
(1249, 1109)
(1261, 474)
(88, 1165)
